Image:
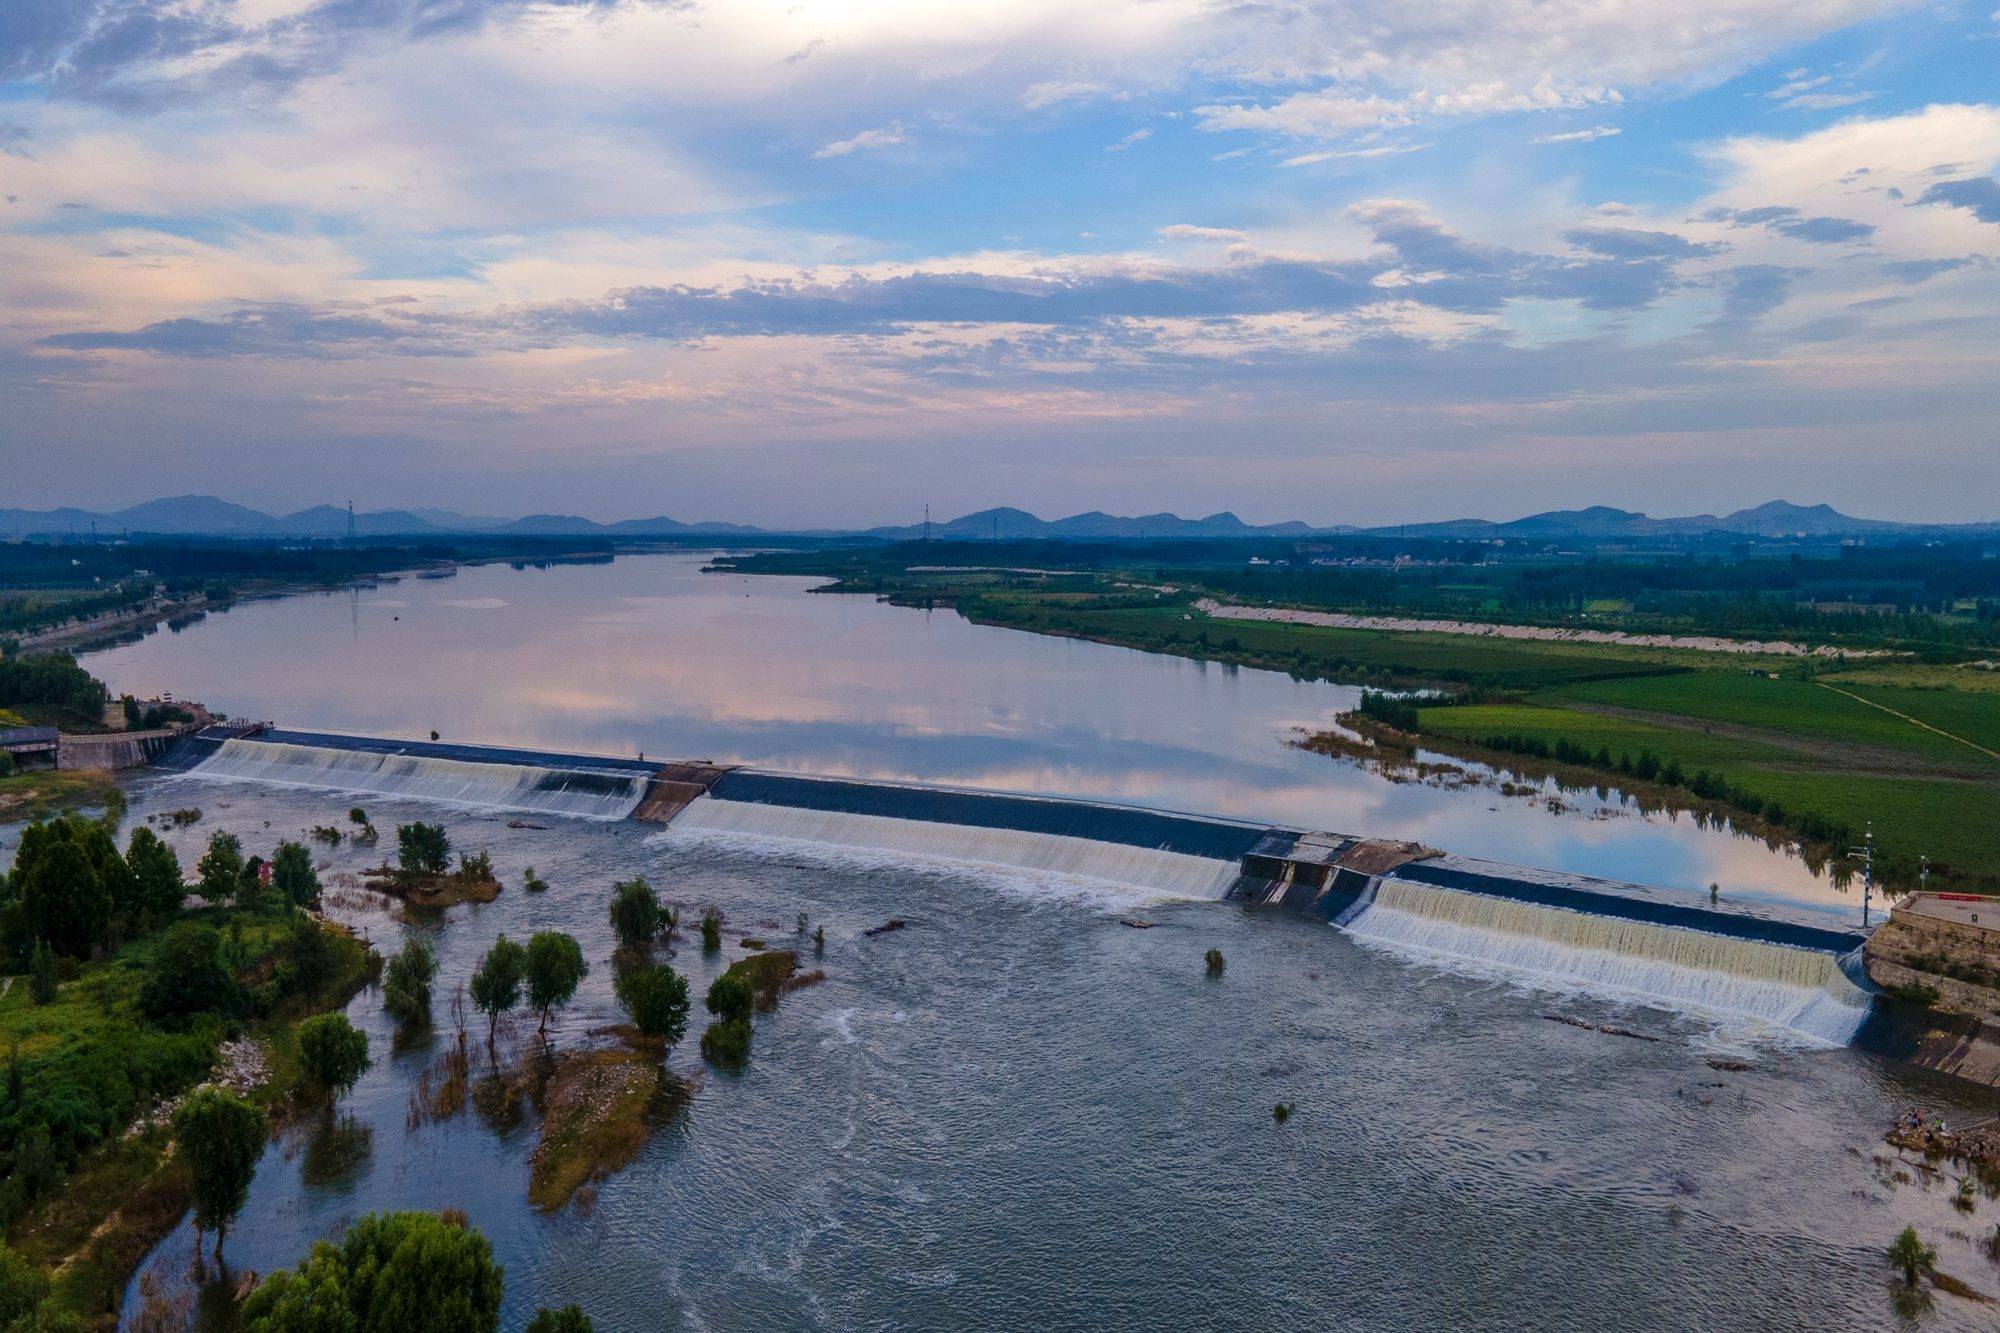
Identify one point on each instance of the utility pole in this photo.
(1866, 852)
(927, 522)
(350, 523)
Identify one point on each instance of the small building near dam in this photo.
(31, 747)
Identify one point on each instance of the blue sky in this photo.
(822, 262)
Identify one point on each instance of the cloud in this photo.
(1580, 136)
(1055, 92)
(1980, 195)
(884, 136)
(1630, 243)
(1788, 221)
(1182, 231)
(1136, 136)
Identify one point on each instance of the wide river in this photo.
(1021, 1112)
(649, 655)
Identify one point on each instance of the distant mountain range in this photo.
(205, 515)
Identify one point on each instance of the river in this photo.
(1021, 1112)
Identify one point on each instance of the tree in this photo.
(22, 1286)
(221, 867)
(62, 895)
(293, 876)
(156, 874)
(406, 987)
(423, 849)
(554, 968)
(569, 1319)
(656, 997)
(729, 996)
(635, 913)
(496, 983)
(221, 1136)
(334, 1054)
(726, 1041)
(1213, 959)
(357, 815)
(43, 978)
(391, 1273)
(711, 933)
(1910, 1254)
(187, 976)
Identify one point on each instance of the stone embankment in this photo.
(1946, 945)
(1209, 606)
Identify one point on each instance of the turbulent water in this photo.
(1021, 1112)
(590, 794)
(1170, 873)
(1786, 989)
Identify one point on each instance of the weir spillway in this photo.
(1786, 970)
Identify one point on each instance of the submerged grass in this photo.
(599, 1108)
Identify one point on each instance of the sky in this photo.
(816, 262)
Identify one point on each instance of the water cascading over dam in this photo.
(465, 776)
(1177, 855)
(1541, 928)
(1778, 985)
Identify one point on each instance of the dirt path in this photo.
(1913, 721)
(1849, 756)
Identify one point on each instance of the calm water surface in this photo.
(649, 655)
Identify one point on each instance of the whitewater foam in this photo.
(1800, 991)
(584, 793)
(1080, 866)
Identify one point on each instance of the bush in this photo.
(711, 933)
(187, 976)
(1214, 962)
(391, 1273)
(43, 978)
(357, 816)
(569, 1319)
(727, 1041)
(333, 1053)
(22, 1286)
(423, 849)
(406, 985)
(729, 997)
(532, 882)
(635, 913)
(656, 997)
(475, 867)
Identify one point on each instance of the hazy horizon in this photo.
(815, 265)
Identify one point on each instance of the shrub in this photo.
(357, 815)
(22, 1286)
(635, 913)
(475, 867)
(711, 933)
(729, 997)
(406, 985)
(333, 1054)
(569, 1319)
(187, 976)
(1909, 1253)
(532, 882)
(1214, 962)
(423, 849)
(391, 1273)
(656, 997)
(726, 1041)
(43, 978)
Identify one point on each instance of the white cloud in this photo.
(1183, 231)
(1135, 137)
(884, 136)
(1580, 136)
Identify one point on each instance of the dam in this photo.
(1789, 971)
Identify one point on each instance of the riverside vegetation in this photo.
(147, 990)
(1905, 731)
